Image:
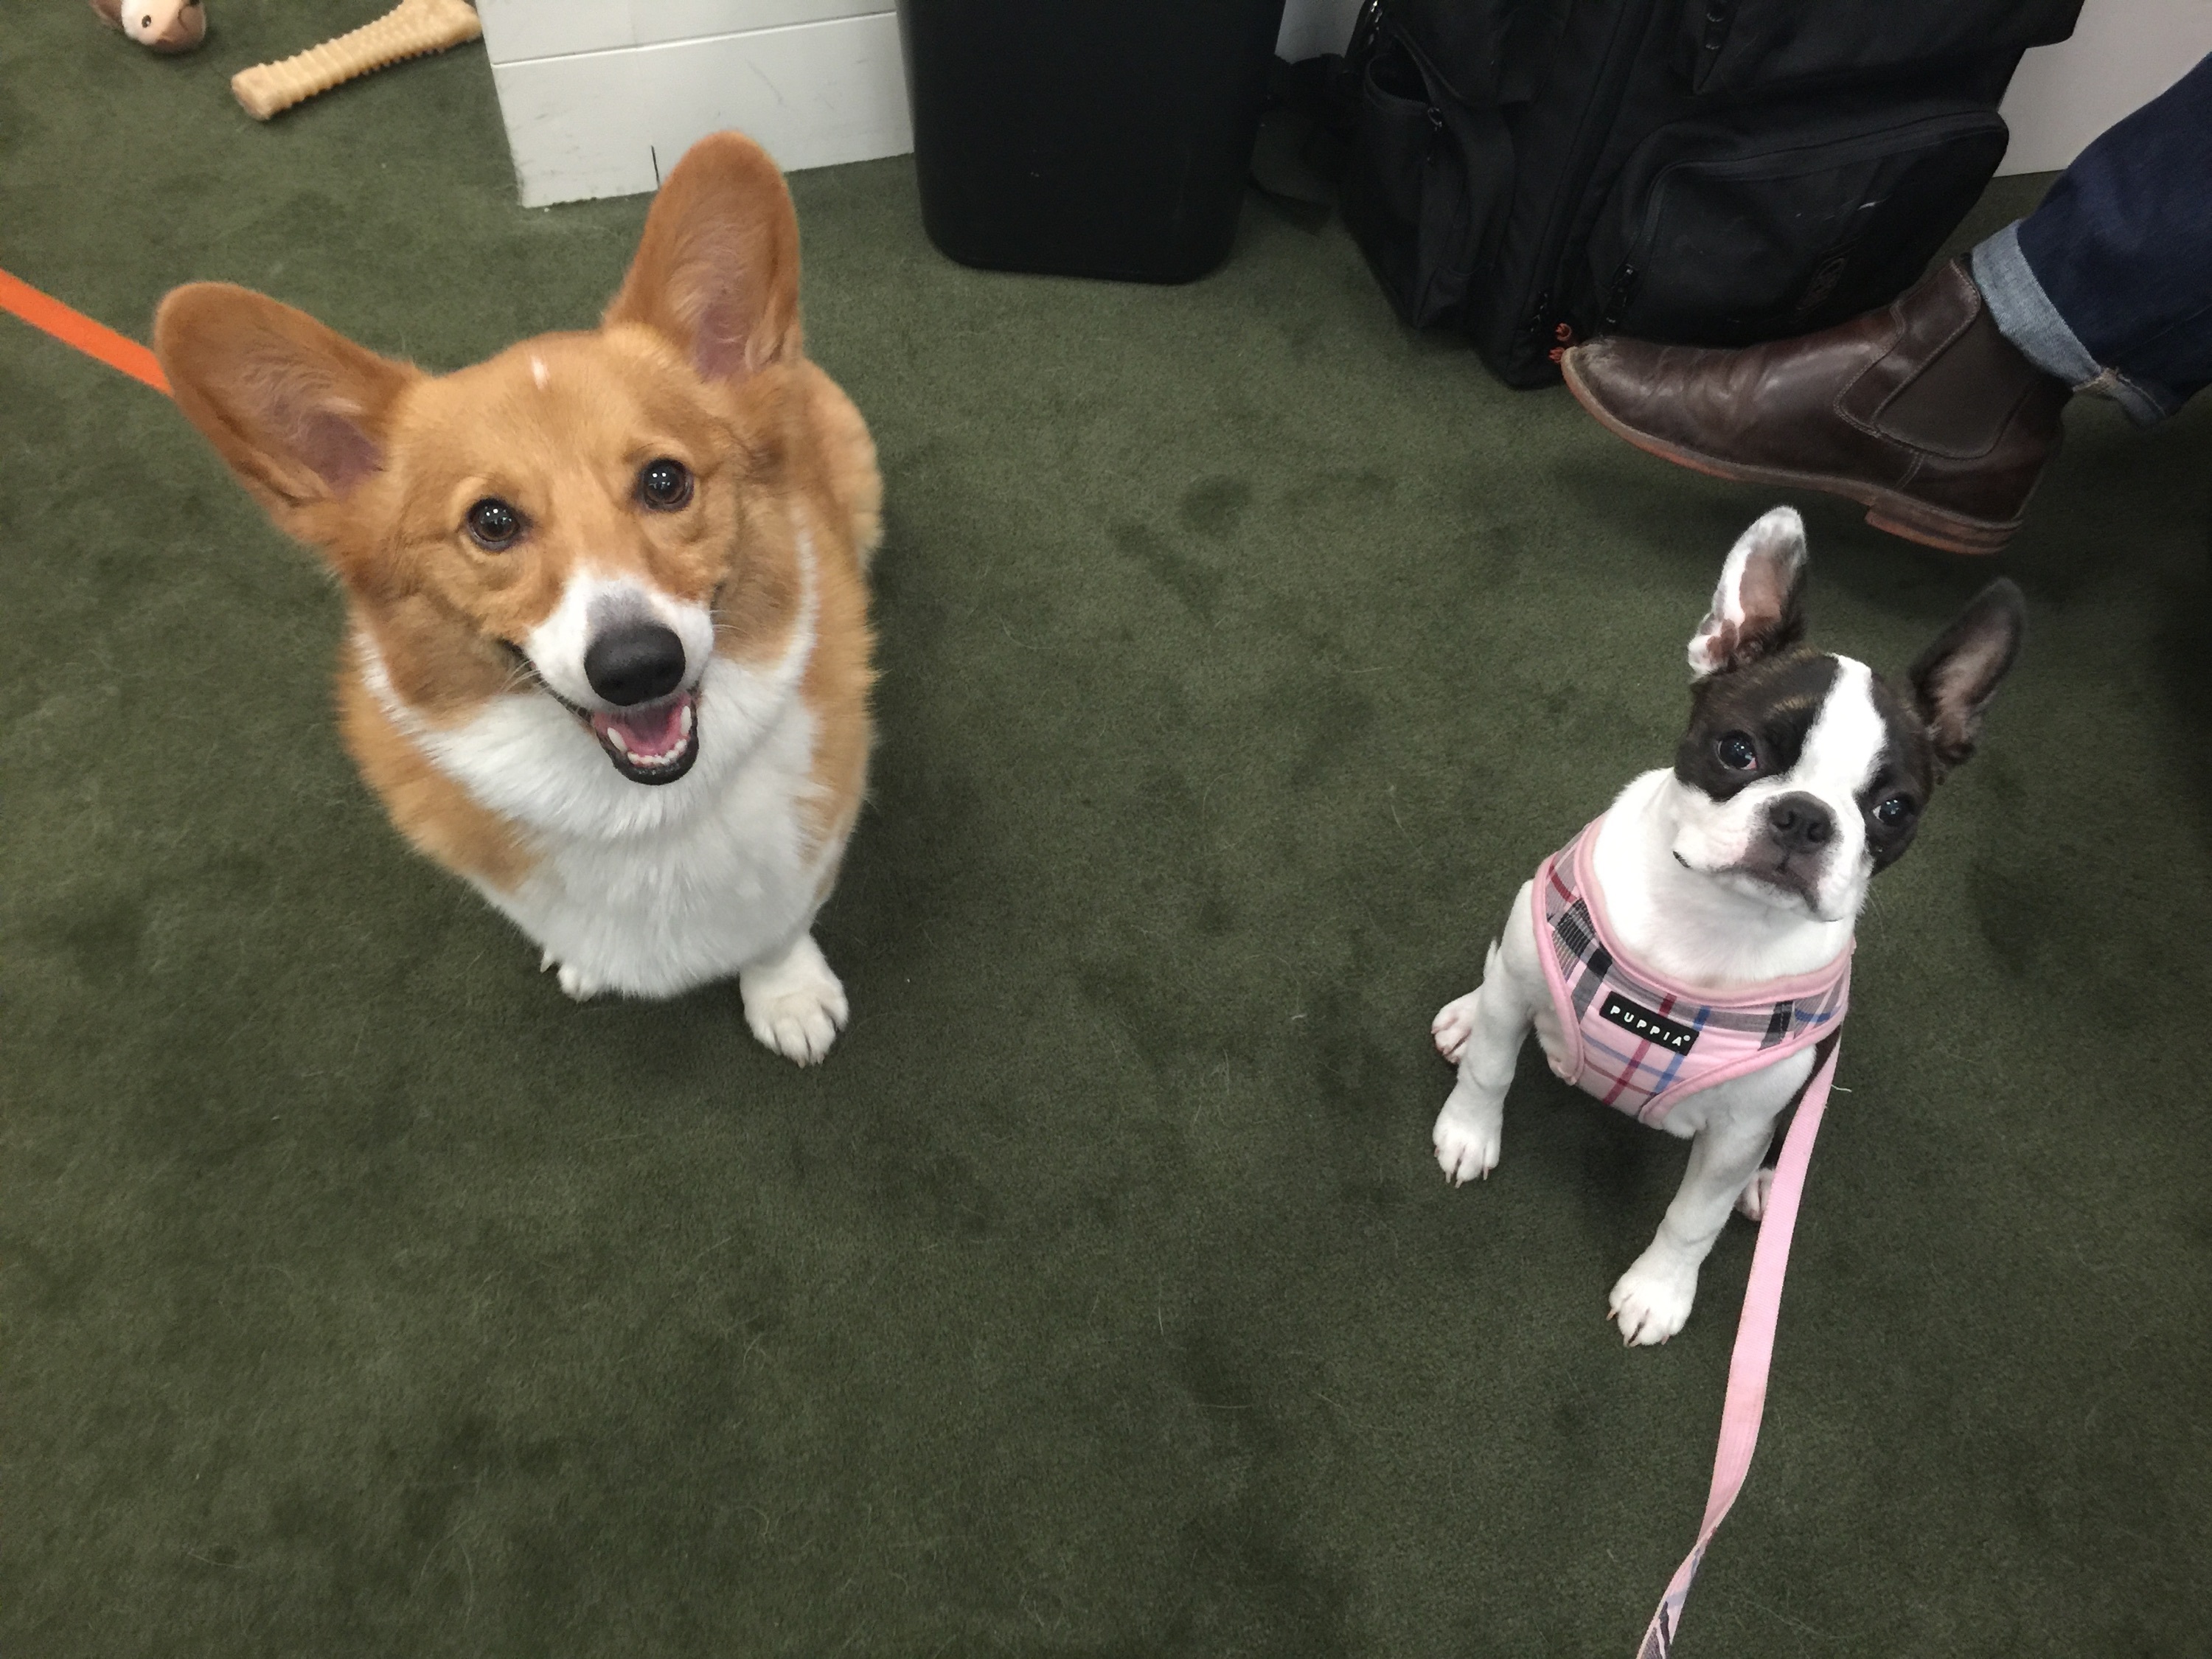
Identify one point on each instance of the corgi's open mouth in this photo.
(655, 743)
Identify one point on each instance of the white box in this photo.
(599, 97)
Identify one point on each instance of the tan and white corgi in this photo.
(608, 656)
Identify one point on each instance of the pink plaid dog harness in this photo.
(1640, 1041)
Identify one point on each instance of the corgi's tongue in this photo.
(649, 738)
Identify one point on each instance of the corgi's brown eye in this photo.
(664, 484)
(493, 525)
(1737, 752)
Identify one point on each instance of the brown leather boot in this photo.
(1923, 412)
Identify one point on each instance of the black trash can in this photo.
(1086, 137)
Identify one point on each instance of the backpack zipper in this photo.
(1709, 47)
(1618, 67)
(1619, 298)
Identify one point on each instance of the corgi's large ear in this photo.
(299, 411)
(1759, 607)
(1957, 676)
(717, 270)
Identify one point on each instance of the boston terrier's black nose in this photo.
(1799, 822)
(635, 662)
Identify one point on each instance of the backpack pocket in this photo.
(1743, 45)
(1426, 175)
(1753, 227)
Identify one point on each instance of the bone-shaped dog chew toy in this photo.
(409, 30)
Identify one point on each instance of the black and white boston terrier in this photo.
(1686, 956)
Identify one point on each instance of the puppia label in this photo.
(1651, 1027)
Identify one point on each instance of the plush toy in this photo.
(165, 26)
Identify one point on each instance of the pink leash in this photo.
(1755, 1352)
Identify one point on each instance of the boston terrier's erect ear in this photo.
(1957, 676)
(1757, 608)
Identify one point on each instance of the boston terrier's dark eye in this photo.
(1737, 752)
(493, 525)
(1894, 812)
(666, 484)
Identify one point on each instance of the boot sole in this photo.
(1888, 509)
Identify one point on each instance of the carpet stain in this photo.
(1326, 718)
(1197, 585)
(1214, 507)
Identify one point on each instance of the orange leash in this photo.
(74, 328)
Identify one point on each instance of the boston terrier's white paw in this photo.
(1752, 1200)
(1466, 1138)
(1454, 1022)
(1651, 1300)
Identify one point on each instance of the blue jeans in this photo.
(2108, 284)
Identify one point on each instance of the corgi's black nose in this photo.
(635, 662)
(1799, 822)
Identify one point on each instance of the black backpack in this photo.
(1705, 172)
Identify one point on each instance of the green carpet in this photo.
(1241, 655)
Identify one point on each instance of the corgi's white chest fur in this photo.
(644, 889)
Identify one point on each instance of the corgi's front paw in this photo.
(1453, 1025)
(1466, 1136)
(1651, 1300)
(580, 985)
(795, 1005)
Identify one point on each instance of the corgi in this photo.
(609, 658)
